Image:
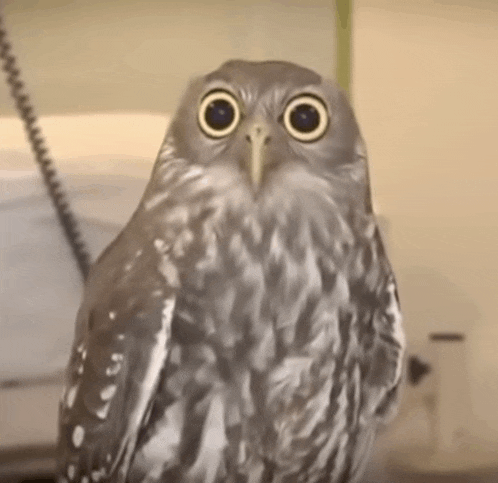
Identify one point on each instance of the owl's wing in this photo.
(381, 337)
(379, 342)
(112, 377)
(386, 357)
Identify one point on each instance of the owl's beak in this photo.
(258, 136)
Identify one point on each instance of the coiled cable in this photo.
(43, 159)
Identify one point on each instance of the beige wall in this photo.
(91, 55)
(426, 95)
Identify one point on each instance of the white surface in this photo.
(453, 390)
(104, 161)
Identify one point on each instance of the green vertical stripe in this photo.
(343, 10)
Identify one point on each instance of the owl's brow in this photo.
(220, 85)
(312, 89)
(245, 96)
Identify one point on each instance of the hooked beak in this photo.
(258, 136)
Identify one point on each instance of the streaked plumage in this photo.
(245, 325)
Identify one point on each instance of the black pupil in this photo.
(219, 114)
(304, 118)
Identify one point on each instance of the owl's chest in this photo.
(257, 326)
(261, 289)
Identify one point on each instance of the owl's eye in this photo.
(306, 118)
(219, 114)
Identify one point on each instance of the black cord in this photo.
(45, 163)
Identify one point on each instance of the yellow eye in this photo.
(306, 118)
(219, 114)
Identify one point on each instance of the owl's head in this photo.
(271, 124)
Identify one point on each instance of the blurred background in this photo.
(105, 77)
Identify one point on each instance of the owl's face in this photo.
(271, 124)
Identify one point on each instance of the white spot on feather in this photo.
(108, 392)
(242, 453)
(161, 246)
(78, 436)
(120, 336)
(185, 315)
(97, 475)
(169, 272)
(71, 472)
(116, 357)
(85, 479)
(71, 396)
(168, 149)
(103, 411)
(80, 348)
(156, 199)
(113, 370)
(80, 369)
(138, 253)
(193, 172)
(112, 315)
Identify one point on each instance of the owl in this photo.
(244, 326)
